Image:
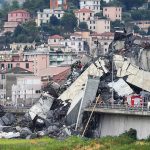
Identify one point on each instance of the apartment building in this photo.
(84, 15)
(101, 42)
(113, 13)
(142, 24)
(99, 25)
(93, 5)
(44, 16)
(14, 18)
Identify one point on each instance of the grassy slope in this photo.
(75, 143)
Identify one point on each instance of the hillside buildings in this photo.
(142, 24)
(113, 13)
(93, 5)
(14, 18)
(44, 16)
(95, 24)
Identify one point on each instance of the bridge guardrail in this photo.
(121, 107)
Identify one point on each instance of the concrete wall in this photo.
(115, 125)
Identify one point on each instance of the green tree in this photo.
(15, 5)
(73, 4)
(27, 32)
(132, 3)
(115, 24)
(54, 21)
(83, 26)
(140, 15)
(69, 22)
(136, 29)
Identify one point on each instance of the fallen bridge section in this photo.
(115, 121)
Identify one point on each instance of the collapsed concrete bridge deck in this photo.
(113, 121)
(120, 110)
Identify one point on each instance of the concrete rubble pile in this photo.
(60, 113)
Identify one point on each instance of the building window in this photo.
(2, 66)
(83, 18)
(83, 14)
(105, 43)
(2, 76)
(54, 40)
(37, 91)
(105, 9)
(84, 2)
(27, 65)
(94, 27)
(58, 15)
(90, 14)
(9, 66)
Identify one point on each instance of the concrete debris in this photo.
(42, 107)
(121, 87)
(9, 135)
(59, 113)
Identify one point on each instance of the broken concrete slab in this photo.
(135, 75)
(76, 91)
(121, 87)
(42, 107)
(88, 98)
(9, 135)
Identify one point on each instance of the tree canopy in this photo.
(54, 21)
(69, 22)
(132, 3)
(83, 26)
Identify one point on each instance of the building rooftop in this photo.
(52, 71)
(17, 70)
(84, 10)
(10, 24)
(19, 11)
(103, 34)
(56, 37)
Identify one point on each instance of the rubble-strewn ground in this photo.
(75, 143)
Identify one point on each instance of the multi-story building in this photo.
(99, 25)
(8, 78)
(18, 16)
(95, 24)
(142, 24)
(26, 90)
(74, 44)
(101, 42)
(44, 17)
(22, 46)
(84, 15)
(113, 13)
(55, 4)
(15, 18)
(93, 5)
(40, 59)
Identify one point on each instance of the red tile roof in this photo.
(19, 11)
(103, 34)
(56, 37)
(76, 34)
(52, 71)
(84, 10)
